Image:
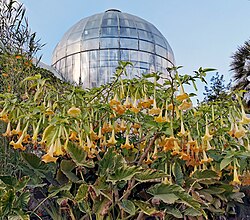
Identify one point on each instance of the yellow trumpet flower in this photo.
(18, 129)
(207, 136)
(245, 119)
(239, 132)
(135, 108)
(8, 132)
(160, 119)
(49, 156)
(112, 140)
(18, 144)
(74, 112)
(127, 145)
(236, 180)
(154, 110)
(185, 105)
(182, 96)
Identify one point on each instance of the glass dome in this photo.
(90, 50)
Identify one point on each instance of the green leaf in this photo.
(82, 193)
(174, 212)
(188, 200)
(165, 192)
(66, 167)
(110, 162)
(22, 200)
(128, 206)
(6, 202)
(22, 183)
(79, 156)
(146, 208)
(205, 174)
(54, 190)
(101, 206)
(192, 212)
(149, 175)
(225, 162)
(9, 180)
(35, 163)
(177, 171)
(123, 174)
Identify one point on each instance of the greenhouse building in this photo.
(89, 51)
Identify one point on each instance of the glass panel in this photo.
(145, 35)
(146, 46)
(93, 24)
(91, 33)
(73, 48)
(93, 76)
(160, 51)
(109, 22)
(124, 55)
(74, 37)
(128, 32)
(133, 55)
(160, 41)
(91, 44)
(129, 43)
(109, 43)
(127, 23)
(109, 31)
(141, 25)
(76, 67)
(143, 56)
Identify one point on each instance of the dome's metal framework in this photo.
(90, 50)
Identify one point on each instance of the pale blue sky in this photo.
(201, 32)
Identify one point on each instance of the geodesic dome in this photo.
(90, 50)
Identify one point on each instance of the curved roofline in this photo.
(112, 10)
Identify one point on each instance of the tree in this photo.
(218, 90)
(15, 34)
(241, 68)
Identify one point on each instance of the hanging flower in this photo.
(239, 132)
(182, 96)
(170, 143)
(114, 101)
(160, 119)
(127, 145)
(207, 136)
(73, 136)
(182, 132)
(236, 180)
(245, 119)
(148, 160)
(58, 147)
(127, 104)
(205, 158)
(154, 110)
(146, 103)
(112, 140)
(18, 144)
(92, 134)
(8, 132)
(185, 105)
(106, 128)
(119, 109)
(49, 156)
(4, 118)
(135, 108)
(17, 131)
(74, 112)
